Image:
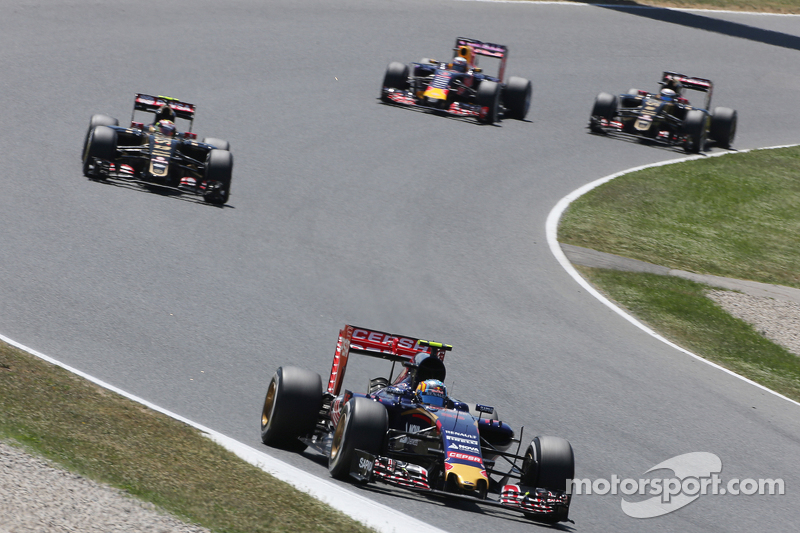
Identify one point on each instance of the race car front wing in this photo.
(537, 503)
(460, 109)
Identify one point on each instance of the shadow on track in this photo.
(706, 22)
(159, 191)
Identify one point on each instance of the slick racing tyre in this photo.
(425, 68)
(694, 131)
(97, 120)
(723, 126)
(517, 97)
(631, 98)
(489, 97)
(605, 106)
(396, 77)
(218, 174)
(362, 425)
(291, 407)
(219, 144)
(549, 463)
(100, 144)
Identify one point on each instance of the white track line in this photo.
(368, 512)
(551, 229)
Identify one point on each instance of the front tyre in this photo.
(489, 97)
(217, 176)
(605, 107)
(97, 120)
(101, 144)
(694, 131)
(362, 425)
(291, 407)
(396, 77)
(549, 463)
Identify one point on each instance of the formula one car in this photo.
(157, 154)
(409, 433)
(460, 87)
(666, 117)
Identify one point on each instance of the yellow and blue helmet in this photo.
(432, 392)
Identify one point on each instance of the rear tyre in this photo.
(723, 126)
(517, 97)
(631, 99)
(489, 97)
(101, 144)
(694, 131)
(291, 407)
(396, 77)
(548, 464)
(362, 425)
(219, 144)
(605, 107)
(218, 175)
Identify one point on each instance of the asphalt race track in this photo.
(344, 210)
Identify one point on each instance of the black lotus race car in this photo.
(460, 87)
(158, 154)
(396, 434)
(666, 117)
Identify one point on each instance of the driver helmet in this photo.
(460, 64)
(667, 94)
(166, 127)
(432, 392)
(165, 112)
(674, 84)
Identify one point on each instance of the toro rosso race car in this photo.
(460, 87)
(666, 117)
(157, 154)
(406, 431)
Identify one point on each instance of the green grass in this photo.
(738, 219)
(735, 216)
(680, 311)
(108, 438)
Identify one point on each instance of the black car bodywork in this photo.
(387, 434)
(672, 121)
(141, 154)
(438, 86)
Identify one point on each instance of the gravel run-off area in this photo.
(36, 497)
(777, 320)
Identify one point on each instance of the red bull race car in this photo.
(666, 117)
(460, 87)
(157, 154)
(406, 431)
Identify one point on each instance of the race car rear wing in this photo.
(480, 48)
(151, 104)
(690, 82)
(373, 343)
